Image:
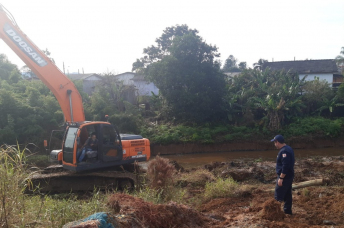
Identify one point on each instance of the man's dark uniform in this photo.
(285, 164)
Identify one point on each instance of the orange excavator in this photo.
(113, 149)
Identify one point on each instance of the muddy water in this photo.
(194, 160)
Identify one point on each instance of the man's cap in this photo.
(278, 138)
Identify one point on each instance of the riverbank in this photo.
(244, 145)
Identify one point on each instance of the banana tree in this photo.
(282, 97)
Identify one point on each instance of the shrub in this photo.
(125, 123)
(314, 126)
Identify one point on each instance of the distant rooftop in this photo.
(81, 76)
(305, 66)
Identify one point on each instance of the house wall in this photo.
(145, 88)
(326, 77)
(126, 78)
(89, 84)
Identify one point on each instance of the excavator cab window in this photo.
(88, 153)
(112, 149)
(68, 146)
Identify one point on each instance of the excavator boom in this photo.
(61, 86)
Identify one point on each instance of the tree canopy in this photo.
(184, 69)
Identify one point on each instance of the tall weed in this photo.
(20, 210)
(12, 184)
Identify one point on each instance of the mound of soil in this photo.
(272, 210)
(139, 213)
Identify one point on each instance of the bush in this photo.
(125, 123)
(314, 126)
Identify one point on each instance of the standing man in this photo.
(285, 173)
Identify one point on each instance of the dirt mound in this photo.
(144, 214)
(272, 210)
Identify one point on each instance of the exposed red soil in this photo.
(317, 206)
(139, 213)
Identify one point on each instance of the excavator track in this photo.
(56, 181)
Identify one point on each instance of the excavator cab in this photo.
(109, 151)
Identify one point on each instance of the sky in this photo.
(108, 36)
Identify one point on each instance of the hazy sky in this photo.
(108, 36)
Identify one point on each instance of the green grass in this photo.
(220, 189)
(316, 126)
(20, 210)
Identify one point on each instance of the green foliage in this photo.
(267, 98)
(13, 175)
(198, 178)
(231, 65)
(126, 123)
(314, 126)
(182, 66)
(340, 60)
(221, 188)
(175, 194)
(165, 134)
(20, 210)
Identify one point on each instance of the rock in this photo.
(217, 217)
(328, 222)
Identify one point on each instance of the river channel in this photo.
(199, 159)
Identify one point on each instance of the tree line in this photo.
(194, 90)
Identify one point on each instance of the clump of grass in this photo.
(220, 188)
(160, 173)
(198, 178)
(175, 194)
(306, 193)
(38, 160)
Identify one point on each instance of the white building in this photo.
(143, 87)
(324, 69)
(89, 81)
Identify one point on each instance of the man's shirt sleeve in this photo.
(286, 161)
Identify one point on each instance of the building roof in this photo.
(125, 73)
(136, 77)
(82, 76)
(305, 66)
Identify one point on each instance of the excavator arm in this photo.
(62, 87)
